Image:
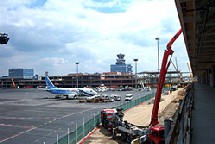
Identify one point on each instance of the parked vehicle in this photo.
(109, 98)
(174, 88)
(88, 98)
(128, 97)
(117, 97)
(125, 89)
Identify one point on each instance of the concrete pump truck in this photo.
(152, 134)
(156, 131)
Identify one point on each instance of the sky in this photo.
(52, 35)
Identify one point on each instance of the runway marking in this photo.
(25, 118)
(17, 118)
(29, 128)
(86, 110)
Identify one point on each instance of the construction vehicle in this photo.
(112, 120)
(154, 133)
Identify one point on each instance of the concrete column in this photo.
(207, 77)
(213, 72)
(211, 79)
(167, 126)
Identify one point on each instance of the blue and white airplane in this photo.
(69, 93)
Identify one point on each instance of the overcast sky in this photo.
(52, 35)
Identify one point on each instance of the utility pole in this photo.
(135, 60)
(77, 74)
(157, 38)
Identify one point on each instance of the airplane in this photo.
(69, 93)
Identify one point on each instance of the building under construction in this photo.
(109, 79)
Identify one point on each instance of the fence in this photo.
(88, 126)
(180, 130)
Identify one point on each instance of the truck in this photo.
(154, 132)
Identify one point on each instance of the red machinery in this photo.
(156, 131)
(112, 118)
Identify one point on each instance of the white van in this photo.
(128, 97)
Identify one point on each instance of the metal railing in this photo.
(80, 132)
(181, 125)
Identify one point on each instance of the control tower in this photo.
(120, 59)
(120, 65)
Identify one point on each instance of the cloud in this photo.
(52, 35)
(108, 6)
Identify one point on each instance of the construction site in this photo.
(140, 125)
(177, 114)
(139, 117)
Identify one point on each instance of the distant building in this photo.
(120, 65)
(21, 73)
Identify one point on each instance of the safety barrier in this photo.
(180, 130)
(80, 133)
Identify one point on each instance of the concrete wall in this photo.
(208, 77)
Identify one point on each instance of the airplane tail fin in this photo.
(49, 84)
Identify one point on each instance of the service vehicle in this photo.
(90, 97)
(117, 97)
(128, 97)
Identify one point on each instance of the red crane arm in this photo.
(163, 71)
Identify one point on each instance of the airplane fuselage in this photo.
(77, 91)
(68, 92)
(60, 91)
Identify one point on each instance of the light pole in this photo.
(135, 60)
(157, 38)
(77, 74)
(90, 81)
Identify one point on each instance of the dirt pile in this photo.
(141, 116)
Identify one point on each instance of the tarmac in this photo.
(29, 116)
(203, 115)
(32, 116)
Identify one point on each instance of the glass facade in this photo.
(124, 68)
(21, 73)
(120, 65)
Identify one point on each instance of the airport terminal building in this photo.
(120, 76)
(21, 73)
(109, 79)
